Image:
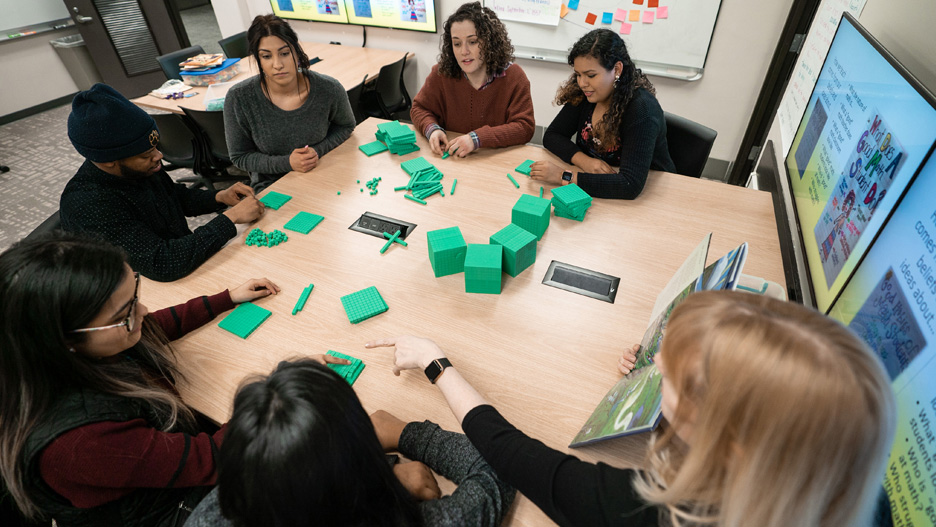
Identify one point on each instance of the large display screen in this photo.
(416, 15)
(890, 302)
(865, 131)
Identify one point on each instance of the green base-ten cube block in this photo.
(363, 304)
(244, 319)
(483, 268)
(446, 251)
(532, 214)
(519, 248)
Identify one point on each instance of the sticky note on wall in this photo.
(634, 15)
(607, 18)
(621, 14)
(638, 2)
(573, 4)
(653, 3)
(663, 12)
(625, 28)
(648, 17)
(563, 11)
(591, 18)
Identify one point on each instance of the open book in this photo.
(634, 404)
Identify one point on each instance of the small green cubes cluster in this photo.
(258, 238)
(372, 185)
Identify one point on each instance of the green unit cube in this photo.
(446, 251)
(363, 304)
(519, 248)
(483, 268)
(532, 214)
(245, 319)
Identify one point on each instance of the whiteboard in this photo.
(675, 46)
(22, 13)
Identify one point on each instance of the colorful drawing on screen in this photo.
(413, 11)
(362, 8)
(328, 7)
(862, 184)
(810, 138)
(886, 322)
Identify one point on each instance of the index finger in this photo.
(381, 343)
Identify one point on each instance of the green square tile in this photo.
(363, 304)
(274, 200)
(532, 214)
(349, 372)
(519, 248)
(447, 250)
(524, 167)
(244, 319)
(483, 264)
(375, 147)
(303, 222)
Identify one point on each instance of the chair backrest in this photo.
(354, 97)
(176, 140)
(391, 93)
(689, 144)
(234, 46)
(170, 61)
(211, 125)
(51, 223)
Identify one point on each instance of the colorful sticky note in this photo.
(663, 12)
(606, 18)
(647, 17)
(634, 15)
(638, 2)
(621, 14)
(591, 18)
(653, 3)
(563, 11)
(625, 28)
(573, 4)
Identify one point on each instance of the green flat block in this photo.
(303, 222)
(349, 372)
(572, 196)
(416, 165)
(524, 167)
(403, 150)
(244, 319)
(519, 248)
(375, 147)
(483, 264)
(532, 214)
(274, 200)
(446, 251)
(363, 304)
(563, 214)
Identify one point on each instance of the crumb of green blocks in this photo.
(244, 319)
(258, 238)
(524, 167)
(359, 181)
(519, 248)
(339, 192)
(483, 268)
(396, 240)
(532, 214)
(303, 222)
(302, 299)
(447, 249)
(373, 148)
(274, 200)
(348, 372)
(514, 181)
(363, 304)
(390, 241)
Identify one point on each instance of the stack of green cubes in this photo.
(532, 214)
(399, 138)
(447, 250)
(348, 372)
(519, 248)
(571, 202)
(483, 268)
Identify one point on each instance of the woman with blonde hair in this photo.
(776, 416)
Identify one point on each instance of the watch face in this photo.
(567, 176)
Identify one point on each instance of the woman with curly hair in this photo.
(475, 89)
(610, 105)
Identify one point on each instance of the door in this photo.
(124, 38)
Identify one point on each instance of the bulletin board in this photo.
(667, 38)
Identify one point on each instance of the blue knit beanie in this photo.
(104, 126)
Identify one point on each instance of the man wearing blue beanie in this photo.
(122, 192)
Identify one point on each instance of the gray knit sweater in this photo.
(260, 136)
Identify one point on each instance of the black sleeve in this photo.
(568, 490)
(558, 136)
(196, 202)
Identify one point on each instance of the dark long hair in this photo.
(48, 287)
(274, 26)
(608, 48)
(496, 50)
(300, 450)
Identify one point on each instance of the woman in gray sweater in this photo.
(287, 117)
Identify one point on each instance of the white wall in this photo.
(742, 45)
(33, 72)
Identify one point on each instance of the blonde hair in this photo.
(792, 417)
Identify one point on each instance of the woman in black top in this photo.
(776, 416)
(611, 108)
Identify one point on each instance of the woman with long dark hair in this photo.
(611, 108)
(301, 450)
(287, 117)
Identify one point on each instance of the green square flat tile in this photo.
(483, 264)
(303, 222)
(447, 250)
(375, 147)
(244, 319)
(524, 167)
(275, 200)
(571, 196)
(531, 213)
(519, 248)
(349, 372)
(404, 149)
(363, 304)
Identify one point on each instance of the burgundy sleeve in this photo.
(519, 125)
(98, 463)
(428, 105)
(177, 321)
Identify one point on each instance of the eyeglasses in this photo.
(130, 322)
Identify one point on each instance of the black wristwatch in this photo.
(567, 177)
(435, 369)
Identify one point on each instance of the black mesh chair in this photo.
(210, 130)
(52, 223)
(170, 61)
(690, 144)
(234, 46)
(388, 99)
(354, 97)
(180, 147)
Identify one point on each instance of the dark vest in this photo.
(143, 507)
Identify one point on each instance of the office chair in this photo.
(52, 223)
(170, 61)
(234, 46)
(354, 97)
(689, 144)
(388, 98)
(209, 127)
(180, 147)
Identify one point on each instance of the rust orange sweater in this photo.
(501, 114)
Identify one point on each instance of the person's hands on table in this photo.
(461, 146)
(234, 194)
(326, 359)
(388, 428)
(438, 142)
(247, 210)
(628, 359)
(591, 165)
(410, 353)
(253, 289)
(546, 172)
(303, 159)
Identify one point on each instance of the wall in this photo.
(34, 74)
(744, 39)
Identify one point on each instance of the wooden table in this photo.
(348, 64)
(543, 356)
